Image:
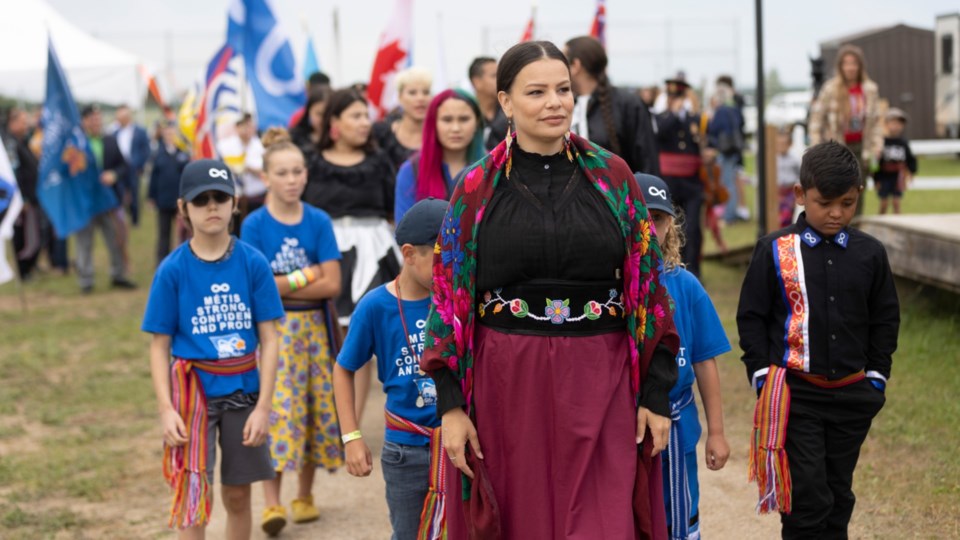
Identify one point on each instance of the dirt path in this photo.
(355, 509)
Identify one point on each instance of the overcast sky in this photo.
(647, 40)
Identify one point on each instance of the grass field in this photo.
(926, 165)
(79, 442)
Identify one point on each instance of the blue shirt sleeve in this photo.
(711, 339)
(327, 249)
(267, 305)
(406, 191)
(361, 338)
(162, 312)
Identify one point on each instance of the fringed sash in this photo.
(433, 523)
(185, 467)
(679, 483)
(769, 465)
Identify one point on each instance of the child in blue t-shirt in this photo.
(702, 339)
(389, 322)
(212, 304)
(299, 243)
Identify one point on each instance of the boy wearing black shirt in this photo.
(897, 163)
(818, 321)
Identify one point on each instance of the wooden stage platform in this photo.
(924, 248)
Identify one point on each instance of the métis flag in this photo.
(69, 186)
(599, 27)
(11, 202)
(393, 54)
(271, 69)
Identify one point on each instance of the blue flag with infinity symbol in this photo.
(271, 69)
(69, 186)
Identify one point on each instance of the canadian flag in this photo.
(599, 27)
(392, 56)
(528, 30)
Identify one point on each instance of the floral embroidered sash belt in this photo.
(554, 308)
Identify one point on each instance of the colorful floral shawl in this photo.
(450, 325)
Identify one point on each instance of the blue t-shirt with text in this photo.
(292, 247)
(211, 310)
(376, 329)
(701, 338)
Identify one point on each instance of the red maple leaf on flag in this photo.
(387, 62)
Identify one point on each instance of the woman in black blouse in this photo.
(354, 183)
(557, 395)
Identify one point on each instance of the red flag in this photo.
(528, 31)
(392, 56)
(599, 27)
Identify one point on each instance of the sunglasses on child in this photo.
(203, 199)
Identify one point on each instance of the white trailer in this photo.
(947, 69)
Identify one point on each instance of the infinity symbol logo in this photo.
(842, 238)
(656, 192)
(220, 288)
(219, 173)
(811, 239)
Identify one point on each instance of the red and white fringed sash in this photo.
(769, 464)
(433, 523)
(185, 467)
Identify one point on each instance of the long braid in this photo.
(606, 108)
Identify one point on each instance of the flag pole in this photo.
(336, 44)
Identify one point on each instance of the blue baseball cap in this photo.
(655, 193)
(421, 224)
(206, 175)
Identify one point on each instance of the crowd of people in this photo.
(423, 246)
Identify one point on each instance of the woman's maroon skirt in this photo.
(557, 426)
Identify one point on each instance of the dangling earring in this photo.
(509, 141)
(568, 145)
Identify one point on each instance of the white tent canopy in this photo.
(96, 70)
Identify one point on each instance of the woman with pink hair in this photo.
(452, 140)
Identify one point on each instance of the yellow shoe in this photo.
(274, 520)
(303, 510)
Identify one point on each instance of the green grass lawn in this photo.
(914, 202)
(80, 445)
(926, 165)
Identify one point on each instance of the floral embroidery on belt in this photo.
(557, 311)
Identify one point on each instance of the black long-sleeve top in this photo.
(634, 128)
(546, 197)
(853, 314)
(362, 190)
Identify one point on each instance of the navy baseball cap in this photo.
(206, 175)
(421, 224)
(655, 193)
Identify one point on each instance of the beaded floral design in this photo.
(557, 311)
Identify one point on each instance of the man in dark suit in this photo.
(113, 171)
(134, 144)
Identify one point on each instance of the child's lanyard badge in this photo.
(406, 333)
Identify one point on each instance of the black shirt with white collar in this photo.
(825, 305)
